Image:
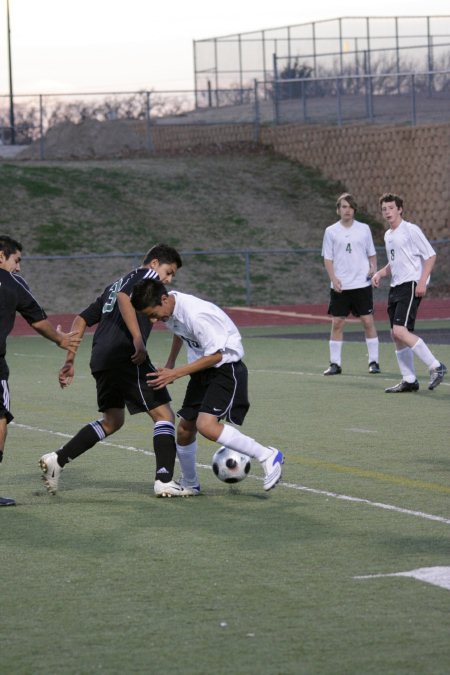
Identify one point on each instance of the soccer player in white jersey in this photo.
(350, 261)
(411, 259)
(217, 388)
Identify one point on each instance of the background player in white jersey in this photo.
(217, 387)
(410, 261)
(15, 296)
(350, 260)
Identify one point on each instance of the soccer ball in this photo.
(230, 466)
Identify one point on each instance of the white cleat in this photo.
(272, 468)
(51, 471)
(171, 489)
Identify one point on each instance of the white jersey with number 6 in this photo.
(205, 328)
(406, 248)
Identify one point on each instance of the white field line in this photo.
(289, 486)
(379, 378)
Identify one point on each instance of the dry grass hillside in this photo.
(229, 201)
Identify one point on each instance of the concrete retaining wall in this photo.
(368, 160)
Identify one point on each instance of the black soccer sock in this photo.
(88, 436)
(165, 450)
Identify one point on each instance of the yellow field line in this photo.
(377, 475)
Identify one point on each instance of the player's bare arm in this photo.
(372, 266)
(177, 343)
(129, 316)
(337, 284)
(69, 340)
(421, 287)
(383, 272)
(165, 376)
(67, 371)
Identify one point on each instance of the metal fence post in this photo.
(150, 145)
(339, 105)
(413, 99)
(41, 129)
(247, 277)
(275, 89)
(256, 126)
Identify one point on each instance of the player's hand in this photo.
(337, 285)
(376, 279)
(421, 289)
(161, 378)
(66, 375)
(140, 352)
(68, 340)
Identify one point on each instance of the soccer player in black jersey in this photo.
(119, 363)
(15, 296)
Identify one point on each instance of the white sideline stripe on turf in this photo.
(437, 576)
(290, 486)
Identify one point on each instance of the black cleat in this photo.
(374, 367)
(7, 501)
(436, 376)
(403, 386)
(334, 369)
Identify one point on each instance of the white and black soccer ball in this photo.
(230, 466)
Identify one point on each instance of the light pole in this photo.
(11, 95)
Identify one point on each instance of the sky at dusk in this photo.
(107, 45)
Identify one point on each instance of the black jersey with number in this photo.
(15, 296)
(113, 344)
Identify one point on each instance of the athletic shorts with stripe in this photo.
(221, 391)
(356, 301)
(5, 401)
(126, 385)
(403, 305)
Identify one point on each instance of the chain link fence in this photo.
(66, 284)
(323, 48)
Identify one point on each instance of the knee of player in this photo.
(209, 427)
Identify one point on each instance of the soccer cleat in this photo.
(436, 376)
(272, 468)
(333, 369)
(51, 471)
(374, 367)
(192, 490)
(171, 489)
(402, 387)
(7, 501)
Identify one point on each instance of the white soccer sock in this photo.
(187, 455)
(336, 351)
(421, 350)
(372, 349)
(405, 359)
(236, 440)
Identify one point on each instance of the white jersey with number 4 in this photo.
(349, 248)
(205, 328)
(407, 248)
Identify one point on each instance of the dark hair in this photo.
(163, 254)
(147, 293)
(390, 197)
(348, 198)
(9, 246)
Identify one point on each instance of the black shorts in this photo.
(4, 401)
(127, 386)
(221, 391)
(403, 305)
(356, 301)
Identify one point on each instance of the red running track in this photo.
(271, 315)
